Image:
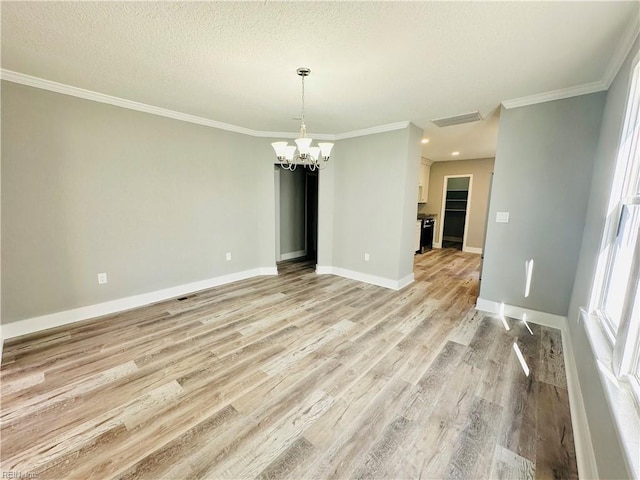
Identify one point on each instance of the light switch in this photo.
(502, 217)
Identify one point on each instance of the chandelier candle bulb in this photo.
(303, 145)
(289, 153)
(325, 149)
(280, 148)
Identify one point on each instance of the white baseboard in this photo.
(365, 277)
(465, 249)
(533, 316)
(292, 255)
(585, 457)
(403, 282)
(268, 271)
(35, 324)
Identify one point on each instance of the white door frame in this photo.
(277, 180)
(466, 215)
(276, 176)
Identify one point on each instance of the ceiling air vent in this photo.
(458, 119)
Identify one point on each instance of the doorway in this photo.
(296, 194)
(456, 203)
(312, 215)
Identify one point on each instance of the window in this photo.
(616, 294)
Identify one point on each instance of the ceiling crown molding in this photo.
(622, 50)
(389, 127)
(555, 95)
(36, 82)
(44, 84)
(294, 135)
(617, 59)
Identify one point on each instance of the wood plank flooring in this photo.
(297, 376)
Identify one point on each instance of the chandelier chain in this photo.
(302, 117)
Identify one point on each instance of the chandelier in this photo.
(314, 157)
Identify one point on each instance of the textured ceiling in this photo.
(372, 63)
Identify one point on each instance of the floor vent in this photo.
(458, 119)
(182, 299)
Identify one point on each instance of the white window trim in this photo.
(619, 393)
(617, 338)
(616, 350)
(615, 334)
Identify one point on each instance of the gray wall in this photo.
(605, 441)
(154, 202)
(373, 211)
(409, 208)
(481, 170)
(543, 166)
(292, 210)
(326, 209)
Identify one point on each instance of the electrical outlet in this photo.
(228, 256)
(102, 278)
(366, 257)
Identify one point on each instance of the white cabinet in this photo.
(423, 183)
(418, 233)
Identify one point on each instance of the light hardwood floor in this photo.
(295, 376)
